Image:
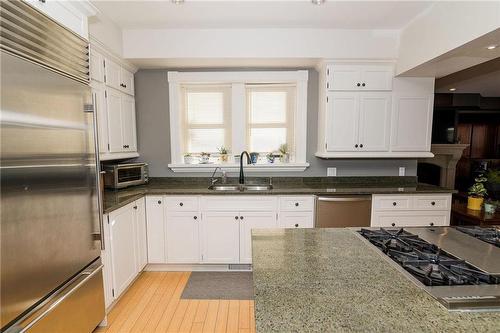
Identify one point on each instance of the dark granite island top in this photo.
(329, 280)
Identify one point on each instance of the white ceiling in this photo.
(242, 14)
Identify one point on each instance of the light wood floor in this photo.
(153, 304)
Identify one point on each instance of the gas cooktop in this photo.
(489, 235)
(427, 262)
(460, 271)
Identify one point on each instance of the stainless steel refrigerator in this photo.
(51, 272)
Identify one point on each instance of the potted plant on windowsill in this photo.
(477, 192)
(188, 158)
(285, 154)
(223, 154)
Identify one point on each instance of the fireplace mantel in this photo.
(446, 157)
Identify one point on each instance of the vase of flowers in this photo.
(188, 158)
(476, 193)
(223, 154)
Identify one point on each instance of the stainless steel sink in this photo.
(240, 187)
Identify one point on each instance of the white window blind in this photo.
(206, 118)
(270, 117)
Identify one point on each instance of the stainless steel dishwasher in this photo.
(345, 211)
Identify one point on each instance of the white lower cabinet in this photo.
(249, 221)
(296, 220)
(125, 253)
(421, 210)
(220, 238)
(182, 237)
(122, 232)
(155, 220)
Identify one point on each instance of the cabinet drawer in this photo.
(182, 204)
(296, 220)
(411, 219)
(442, 202)
(239, 203)
(392, 203)
(296, 203)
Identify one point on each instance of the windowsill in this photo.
(233, 167)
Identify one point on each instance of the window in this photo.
(270, 113)
(205, 118)
(253, 111)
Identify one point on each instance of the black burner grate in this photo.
(489, 235)
(425, 261)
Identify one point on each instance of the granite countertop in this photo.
(281, 186)
(329, 280)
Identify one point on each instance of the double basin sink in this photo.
(240, 187)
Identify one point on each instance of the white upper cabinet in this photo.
(118, 77)
(96, 66)
(128, 124)
(113, 74)
(358, 122)
(353, 77)
(364, 112)
(342, 119)
(99, 97)
(114, 110)
(413, 102)
(374, 121)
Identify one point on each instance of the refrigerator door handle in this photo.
(98, 172)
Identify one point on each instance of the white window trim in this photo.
(238, 100)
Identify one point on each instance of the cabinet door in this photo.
(377, 77)
(113, 74)
(128, 129)
(155, 230)
(127, 81)
(374, 121)
(342, 122)
(123, 246)
(182, 238)
(99, 91)
(142, 247)
(114, 113)
(96, 66)
(343, 77)
(107, 270)
(412, 123)
(220, 236)
(249, 221)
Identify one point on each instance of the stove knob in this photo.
(393, 224)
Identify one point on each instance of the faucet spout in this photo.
(242, 175)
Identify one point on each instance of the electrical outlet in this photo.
(331, 172)
(402, 171)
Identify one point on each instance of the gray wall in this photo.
(151, 96)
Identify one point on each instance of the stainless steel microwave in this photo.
(123, 175)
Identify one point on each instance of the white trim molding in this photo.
(237, 80)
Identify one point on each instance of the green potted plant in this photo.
(490, 206)
(493, 183)
(223, 151)
(270, 157)
(205, 158)
(285, 154)
(188, 158)
(477, 192)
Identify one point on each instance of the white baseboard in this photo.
(192, 268)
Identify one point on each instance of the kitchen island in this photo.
(329, 280)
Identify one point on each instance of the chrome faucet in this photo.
(249, 161)
(214, 180)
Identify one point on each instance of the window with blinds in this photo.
(270, 117)
(206, 118)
